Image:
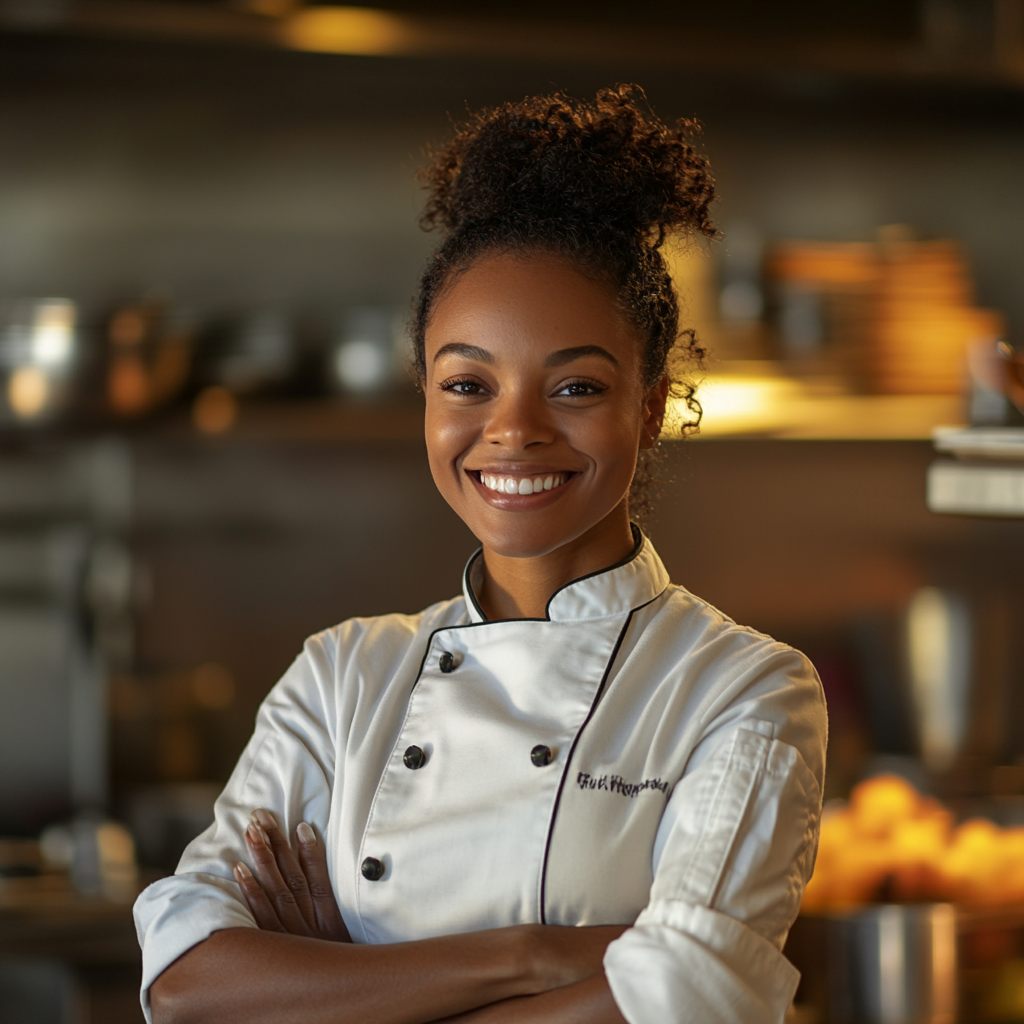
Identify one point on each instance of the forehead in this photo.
(517, 306)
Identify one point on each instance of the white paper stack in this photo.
(986, 477)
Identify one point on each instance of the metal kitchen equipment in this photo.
(883, 964)
(893, 964)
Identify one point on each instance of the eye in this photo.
(580, 389)
(463, 386)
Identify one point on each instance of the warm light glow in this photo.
(752, 397)
(741, 404)
(28, 391)
(53, 330)
(358, 30)
(214, 410)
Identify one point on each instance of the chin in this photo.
(527, 540)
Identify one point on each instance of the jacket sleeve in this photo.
(287, 767)
(735, 849)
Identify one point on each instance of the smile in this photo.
(522, 484)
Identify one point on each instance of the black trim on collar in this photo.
(572, 750)
(468, 583)
(542, 896)
(638, 545)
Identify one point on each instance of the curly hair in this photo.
(603, 184)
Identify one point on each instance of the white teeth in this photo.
(520, 485)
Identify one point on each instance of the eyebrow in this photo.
(567, 355)
(559, 358)
(456, 348)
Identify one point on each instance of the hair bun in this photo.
(591, 172)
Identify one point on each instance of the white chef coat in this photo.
(682, 793)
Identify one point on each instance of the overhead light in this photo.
(352, 30)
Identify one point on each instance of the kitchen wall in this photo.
(231, 178)
(248, 549)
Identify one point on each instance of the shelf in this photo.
(779, 408)
(255, 420)
(782, 410)
(766, 404)
(318, 419)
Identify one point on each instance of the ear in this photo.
(654, 413)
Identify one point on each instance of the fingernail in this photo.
(306, 834)
(242, 872)
(257, 835)
(264, 817)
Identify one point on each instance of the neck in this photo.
(520, 588)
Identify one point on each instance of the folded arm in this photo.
(586, 1002)
(301, 960)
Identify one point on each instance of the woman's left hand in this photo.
(287, 893)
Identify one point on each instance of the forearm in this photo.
(260, 977)
(586, 1002)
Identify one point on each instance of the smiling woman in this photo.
(550, 389)
(575, 792)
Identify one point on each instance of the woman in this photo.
(577, 792)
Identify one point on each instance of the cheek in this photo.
(447, 437)
(613, 444)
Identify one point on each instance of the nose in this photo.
(519, 420)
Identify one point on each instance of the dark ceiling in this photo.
(894, 20)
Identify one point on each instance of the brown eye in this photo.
(579, 389)
(463, 387)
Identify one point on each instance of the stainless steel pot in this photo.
(892, 964)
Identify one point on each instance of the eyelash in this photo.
(593, 388)
(453, 385)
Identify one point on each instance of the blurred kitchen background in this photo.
(210, 444)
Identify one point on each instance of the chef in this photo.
(576, 791)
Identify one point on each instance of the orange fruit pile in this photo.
(890, 843)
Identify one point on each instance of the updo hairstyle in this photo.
(602, 184)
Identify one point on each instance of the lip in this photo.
(520, 502)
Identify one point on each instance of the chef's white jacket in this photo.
(681, 790)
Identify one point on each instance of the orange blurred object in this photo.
(890, 843)
(214, 410)
(899, 314)
(148, 359)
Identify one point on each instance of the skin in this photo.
(531, 371)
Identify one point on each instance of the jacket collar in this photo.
(617, 590)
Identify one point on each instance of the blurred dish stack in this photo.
(925, 319)
(896, 316)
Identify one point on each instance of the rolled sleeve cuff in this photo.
(683, 962)
(176, 913)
